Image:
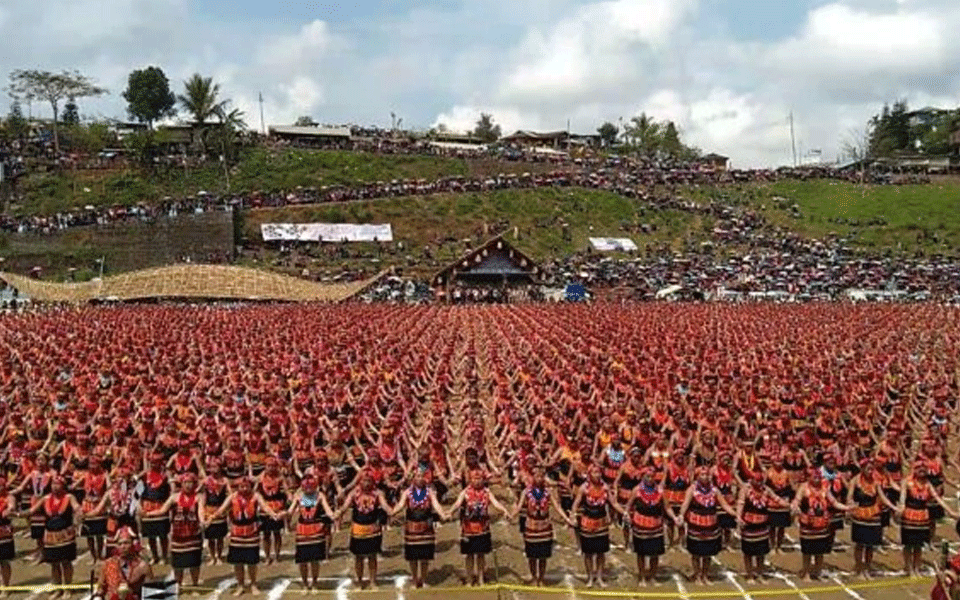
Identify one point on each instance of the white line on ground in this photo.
(844, 587)
(221, 588)
(682, 589)
(786, 579)
(343, 589)
(276, 592)
(398, 582)
(729, 576)
(568, 583)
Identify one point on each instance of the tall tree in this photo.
(16, 125)
(34, 84)
(608, 133)
(900, 126)
(148, 96)
(231, 124)
(71, 112)
(305, 121)
(201, 99)
(486, 129)
(671, 140)
(645, 133)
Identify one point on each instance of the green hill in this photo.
(432, 230)
(259, 169)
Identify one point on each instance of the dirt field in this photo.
(507, 566)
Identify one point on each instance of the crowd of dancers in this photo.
(697, 428)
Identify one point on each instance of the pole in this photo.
(793, 144)
(263, 126)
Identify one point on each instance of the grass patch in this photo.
(451, 223)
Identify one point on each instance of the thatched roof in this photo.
(207, 282)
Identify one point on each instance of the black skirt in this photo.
(914, 538)
(59, 554)
(755, 548)
(780, 519)
(268, 524)
(186, 560)
(654, 546)
(413, 552)
(93, 527)
(7, 551)
(599, 544)
(538, 550)
(156, 529)
(815, 546)
(866, 535)
(366, 546)
(704, 547)
(476, 544)
(215, 531)
(726, 521)
(243, 555)
(307, 553)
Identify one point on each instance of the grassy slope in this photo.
(259, 169)
(538, 215)
(875, 218)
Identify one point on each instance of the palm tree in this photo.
(646, 133)
(200, 100)
(231, 122)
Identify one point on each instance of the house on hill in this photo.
(551, 139)
(494, 262)
(715, 161)
(310, 135)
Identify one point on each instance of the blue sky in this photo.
(727, 71)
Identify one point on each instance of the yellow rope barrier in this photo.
(507, 587)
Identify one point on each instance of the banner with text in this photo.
(325, 232)
(613, 244)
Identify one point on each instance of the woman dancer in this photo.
(419, 539)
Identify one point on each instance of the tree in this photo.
(855, 146)
(305, 121)
(16, 125)
(486, 130)
(935, 139)
(671, 140)
(200, 98)
(231, 124)
(149, 97)
(645, 134)
(608, 133)
(53, 87)
(71, 113)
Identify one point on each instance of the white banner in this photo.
(613, 244)
(325, 232)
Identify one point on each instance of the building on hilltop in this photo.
(926, 116)
(551, 139)
(494, 262)
(310, 135)
(715, 161)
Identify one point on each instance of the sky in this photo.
(727, 72)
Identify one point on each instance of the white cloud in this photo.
(464, 118)
(294, 52)
(595, 46)
(839, 38)
(532, 64)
